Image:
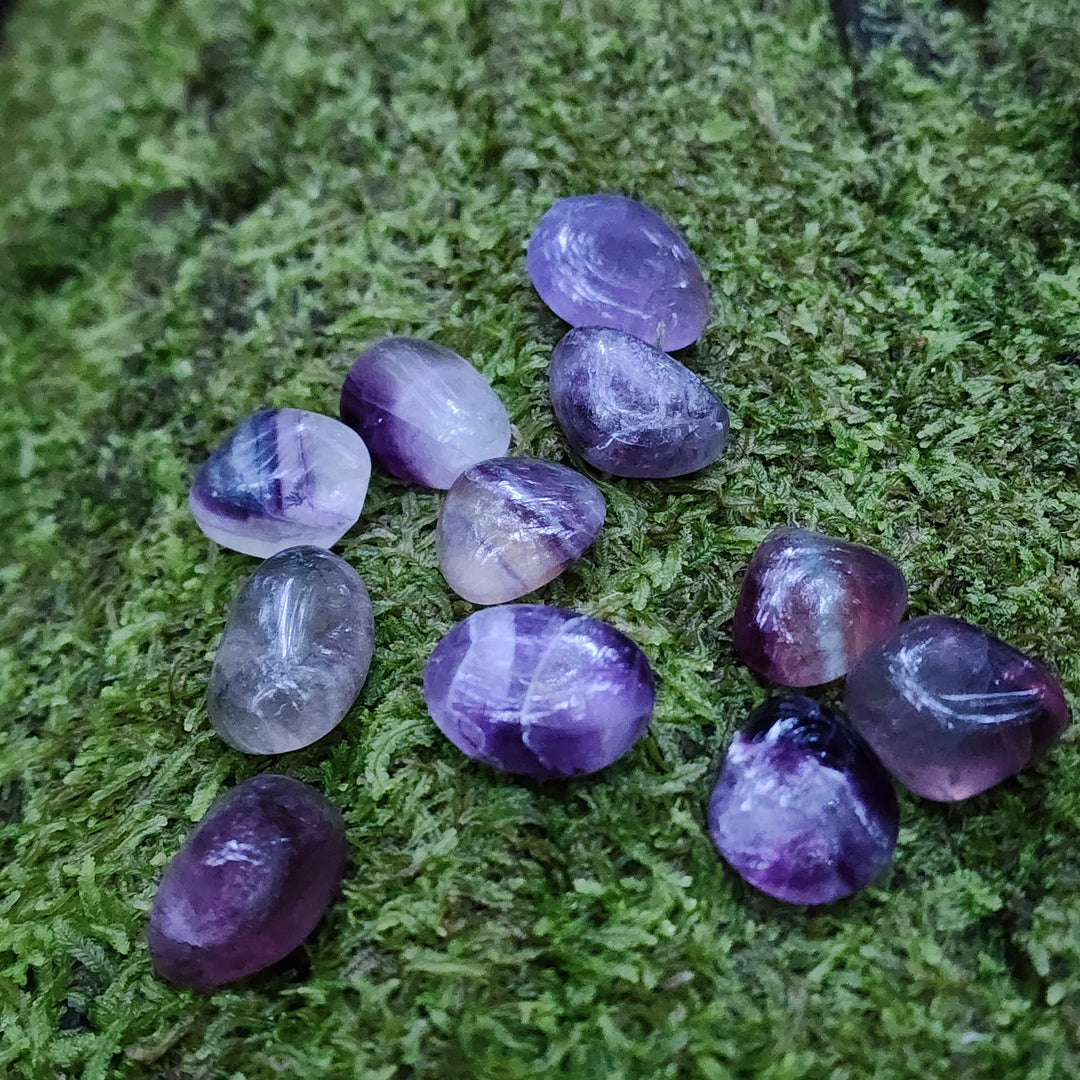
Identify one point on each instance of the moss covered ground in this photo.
(207, 207)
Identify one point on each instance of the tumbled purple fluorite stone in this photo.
(539, 691)
(606, 260)
(951, 710)
(510, 525)
(249, 885)
(283, 477)
(425, 413)
(632, 410)
(811, 605)
(803, 810)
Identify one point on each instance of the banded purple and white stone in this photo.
(802, 809)
(539, 691)
(510, 525)
(811, 605)
(283, 477)
(425, 413)
(606, 260)
(952, 710)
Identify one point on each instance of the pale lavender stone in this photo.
(249, 885)
(802, 809)
(283, 477)
(539, 691)
(632, 410)
(512, 524)
(952, 710)
(294, 655)
(425, 413)
(606, 260)
(811, 605)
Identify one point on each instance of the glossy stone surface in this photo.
(294, 655)
(606, 260)
(510, 525)
(425, 413)
(249, 884)
(539, 691)
(952, 710)
(802, 809)
(283, 477)
(632, 410)
(811, 605)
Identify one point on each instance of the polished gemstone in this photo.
(632, 410)
(425, 413)
(952, 710)
(283, 477)
(606, 260)
(510, 525)
(802, 809)
(294, 654)
(249, 884)
(539, 691)
(811, 605)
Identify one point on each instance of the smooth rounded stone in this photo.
(632, 410)
(802, 809)
(811, 605)
(952, 710)
(283, 477)
(539, 691)
(510, 525)
(606, 260)
(294, 655)
(425, 413)
(249, 885)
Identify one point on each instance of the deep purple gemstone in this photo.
(951, 710)
(510, 525)
(811, 605)
(283, 477)
(425, 413)
(802, 809)
(606, 260)
(249, 884)
(539, 691)
(632, 410)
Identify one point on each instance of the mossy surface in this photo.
(210, 207)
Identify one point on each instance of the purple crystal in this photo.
(802, 809)
(294, 654)
(539, 691)
(510, 525)
(283, 477)
(951, 710)
(249, 884)
(811, 605)
(605, 260)
(632, 410)
(425, 413)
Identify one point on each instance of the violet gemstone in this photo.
(249, 884)
(606, 260)
(539, 691)
(283, 477)
(811, 605)
(510, 525)
(425, 413)
(951, 710)
(294, 655)
(632, 410)
(802, 809)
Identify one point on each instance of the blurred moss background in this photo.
(210, 207)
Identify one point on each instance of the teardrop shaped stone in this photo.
(294, 655)
(283, 477)
(510, 525)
